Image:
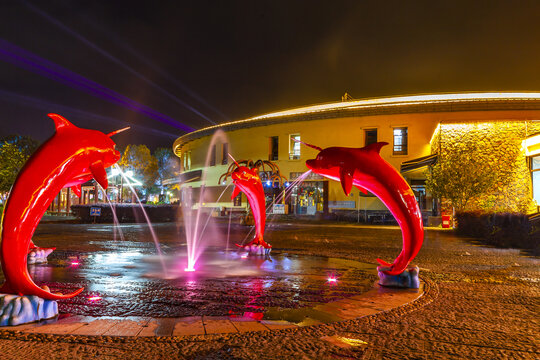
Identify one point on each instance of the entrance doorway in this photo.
(309, 198)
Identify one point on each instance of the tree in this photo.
(25, 144)
(14, 151)
(460, 176)
(11, 162)
(168, 165)
(138, 159)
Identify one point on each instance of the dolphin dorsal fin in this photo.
(60, 122)
(375, 146)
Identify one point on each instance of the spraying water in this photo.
(195, 245)
(116, 223)
(154, 237)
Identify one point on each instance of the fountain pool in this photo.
(125, 278)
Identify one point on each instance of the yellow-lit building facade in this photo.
(417, 129)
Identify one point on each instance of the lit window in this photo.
(225, 154)
(370, 136)
(535, 168)
(274, 146)
(400, 141)
(188, 160)
(294, 147)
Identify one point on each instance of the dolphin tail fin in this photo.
(383, 263)
(24, 285)
(375, 146)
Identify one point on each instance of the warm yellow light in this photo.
(386, 102)
(532, 145)
(435, 133)
(352, 341)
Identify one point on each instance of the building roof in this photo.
(380, 106)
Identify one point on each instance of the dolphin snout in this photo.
(311, 164)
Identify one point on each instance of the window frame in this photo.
(404, 144)
(213, 156)
(271, 153)
(366, 137)
(224, 153)
(292, 145)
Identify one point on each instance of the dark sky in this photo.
(194, 63)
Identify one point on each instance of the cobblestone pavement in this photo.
(479, 303)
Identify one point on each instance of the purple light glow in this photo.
(26, 60)
(94, 298)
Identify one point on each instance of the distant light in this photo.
(190, 268)
(532, 145)
(268, 183)
(75, 263)
(129, 173)
(332, 280)
(387, 102)
(94, 298)
(115, 171)
(244, 256)
(286, 183)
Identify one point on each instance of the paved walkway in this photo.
(479, 302)
(372, 302)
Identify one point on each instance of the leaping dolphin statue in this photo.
(248, 181)
(69, 158)
(367, 170)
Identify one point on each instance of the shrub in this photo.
(501, 229)
(127, 213)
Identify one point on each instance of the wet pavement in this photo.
(127, 277)
(479, 303)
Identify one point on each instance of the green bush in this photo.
(501, 229)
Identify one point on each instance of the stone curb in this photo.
(372, 303)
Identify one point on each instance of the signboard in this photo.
(311, 176)
(95, 211)
(279, 209)
(342, 204)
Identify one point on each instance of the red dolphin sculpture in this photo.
(367, 170)
(248, 181)
(70, 157)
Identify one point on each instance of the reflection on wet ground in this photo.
(125, 278)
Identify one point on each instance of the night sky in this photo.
(165, 67)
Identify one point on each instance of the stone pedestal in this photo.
(257, 250)
(39, 255)
(407, 279)
(17, 310)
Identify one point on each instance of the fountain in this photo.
(69, 158)
(195, 245)
(368, 171)
(129, 283)
(247, 180)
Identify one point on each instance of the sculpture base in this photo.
(257, 249)
(407, 279)
(17, 310)
(39, 255)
